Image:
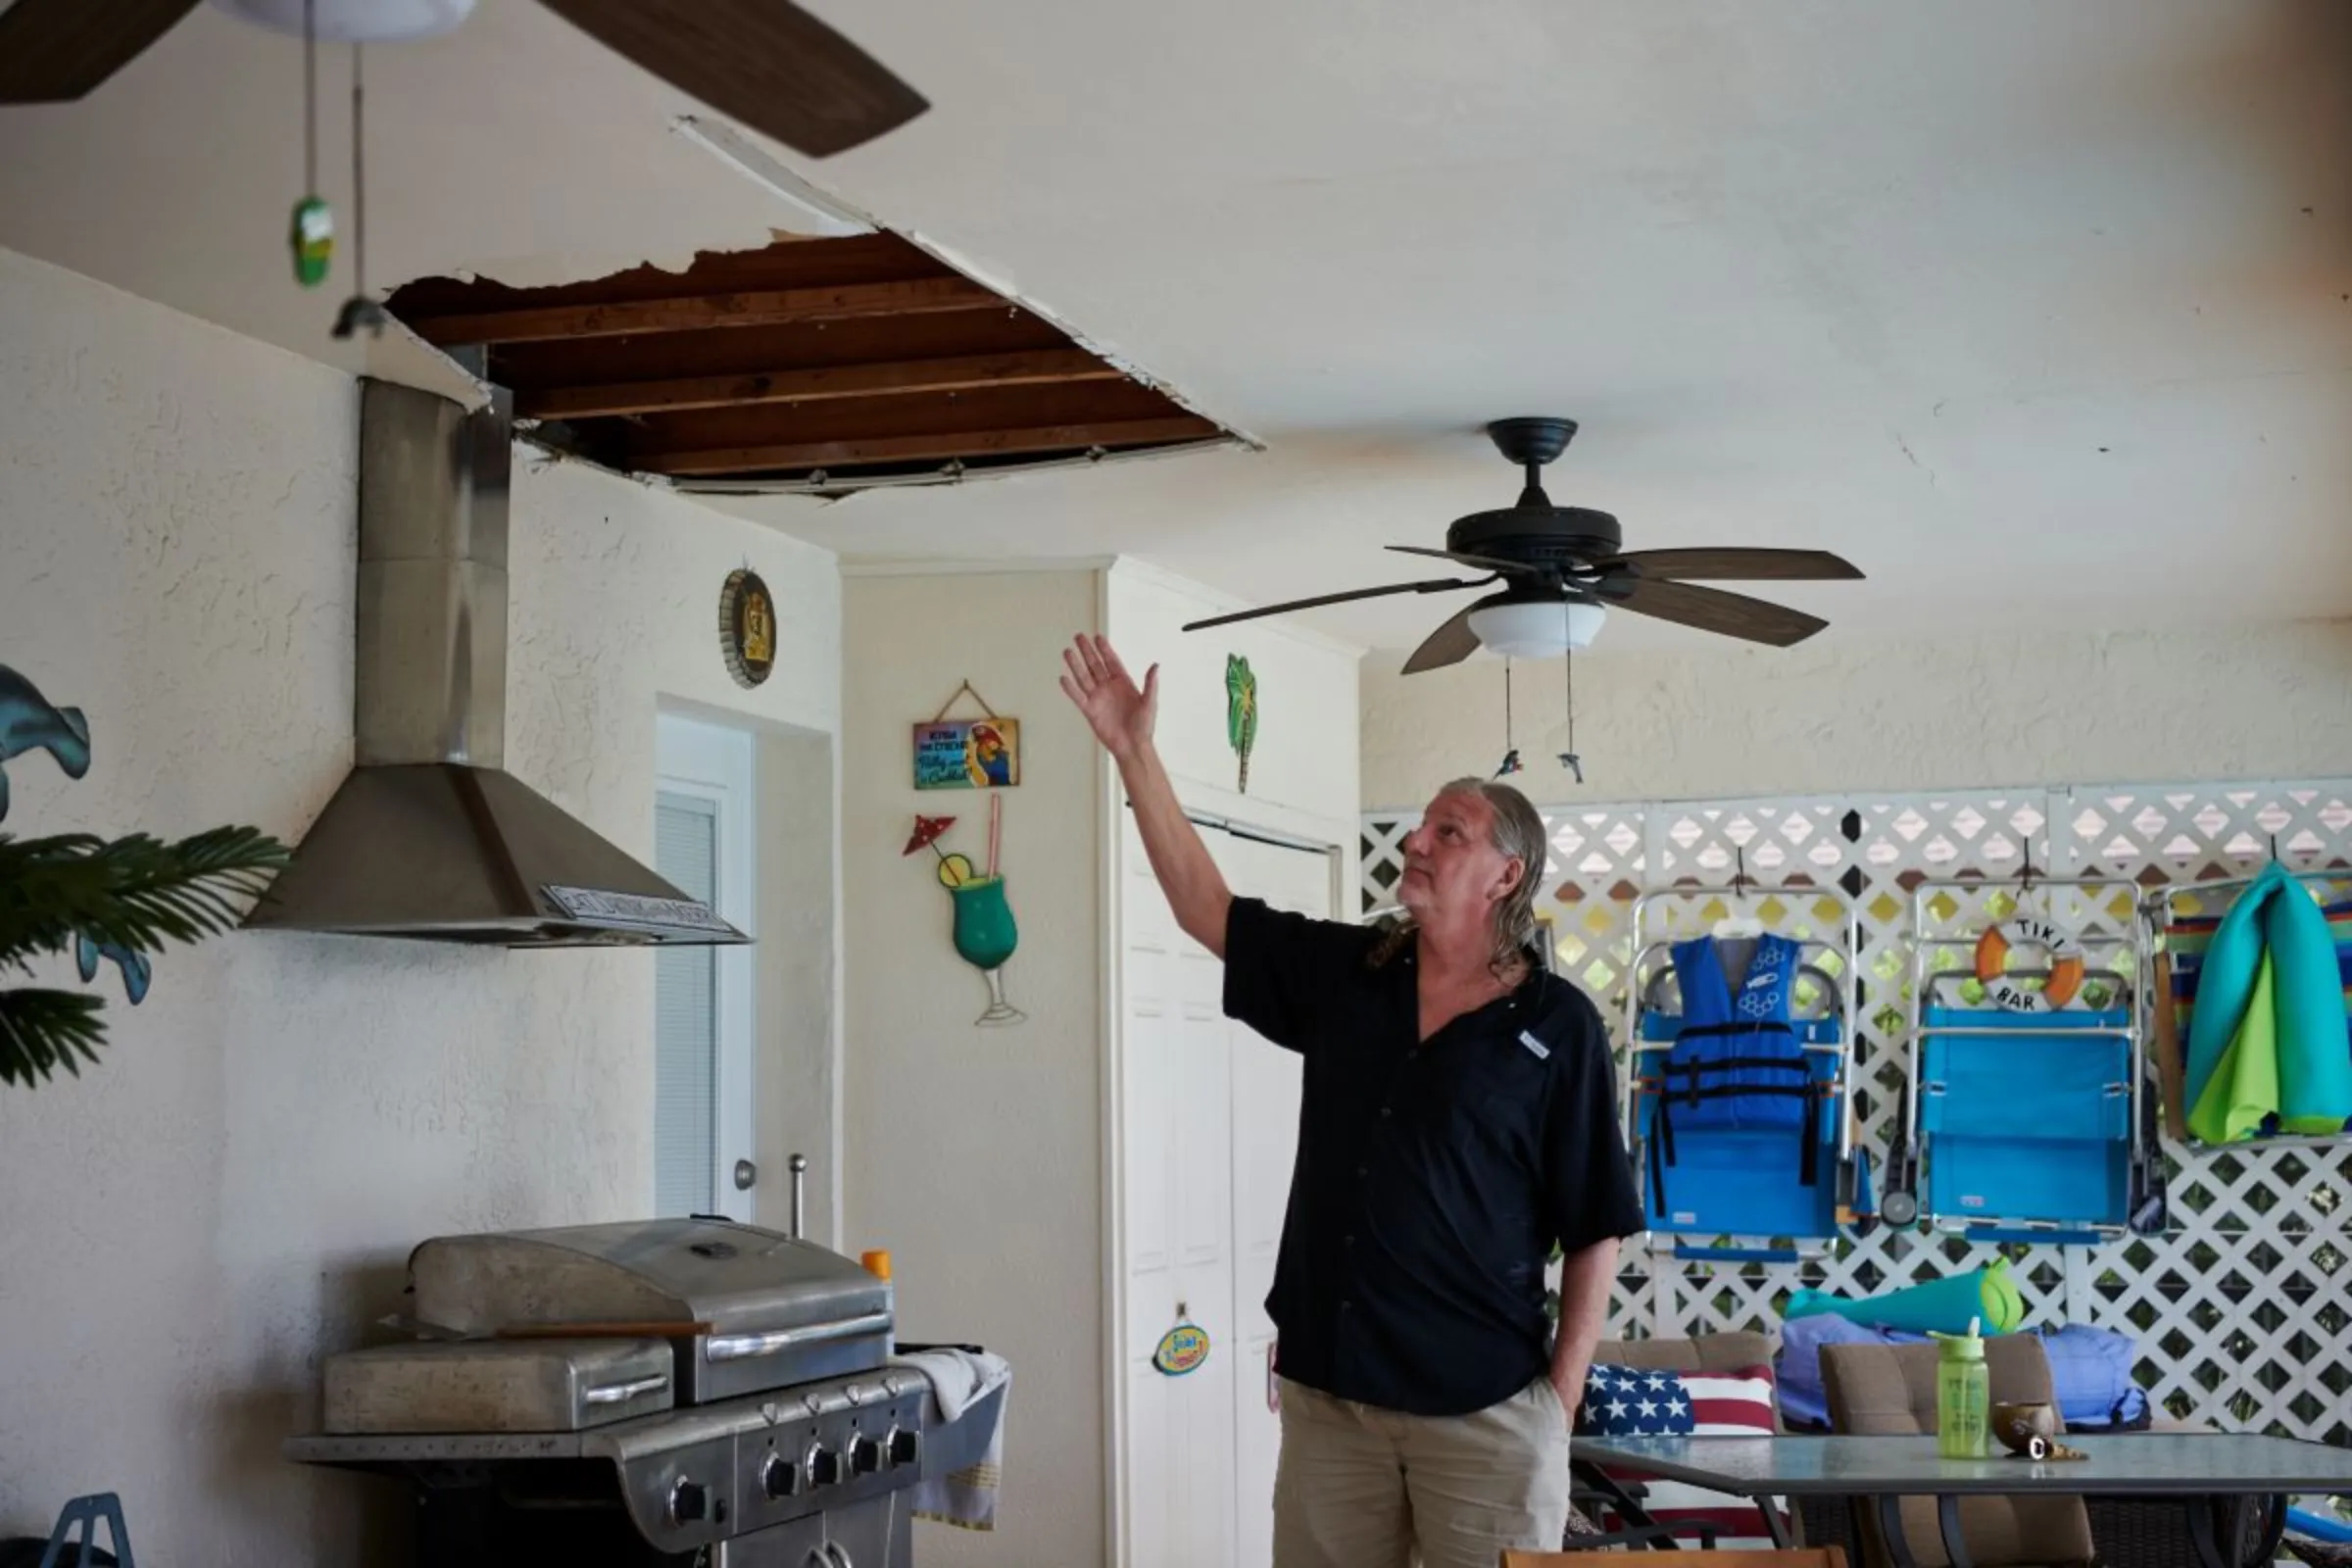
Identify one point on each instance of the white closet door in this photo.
(1264, 1123)
(1209, 1120)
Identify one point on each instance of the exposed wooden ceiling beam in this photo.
(754, 350)
(920, 448)
(761, 307)
(960, 374)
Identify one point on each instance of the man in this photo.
(1458, 1114)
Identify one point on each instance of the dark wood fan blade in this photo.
(1490, 562)
(1712, 609)
(765, 63)
(1435, 585)
(1450, 644)
(53, 51)
(1733, 564)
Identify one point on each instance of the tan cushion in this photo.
(1889, 1391)
(1708, 1353)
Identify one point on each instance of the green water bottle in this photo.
(1963, 1396)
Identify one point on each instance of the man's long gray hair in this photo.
(1519, 836)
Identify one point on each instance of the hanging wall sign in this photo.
(967, 754)
(1240, 713)
(747, 627)
(1182, 1348)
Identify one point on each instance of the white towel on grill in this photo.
(960, 1379)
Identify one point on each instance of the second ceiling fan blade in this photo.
(1736, 565)
(1435, 585)
(1712, 609)
(765, 63)
(54, 51)
(1450, 644)
(1489, 562)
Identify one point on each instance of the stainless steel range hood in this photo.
(429, 838)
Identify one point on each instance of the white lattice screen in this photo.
(2240, 1309)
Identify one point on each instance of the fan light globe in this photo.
(1536, 629)
(355, 20)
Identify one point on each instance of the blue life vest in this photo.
(1737, 1061)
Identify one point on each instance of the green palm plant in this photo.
(105, 899)
(118, 898)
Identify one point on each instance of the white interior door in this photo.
(1210, 1119)
(703, 843)
(1264, 1121)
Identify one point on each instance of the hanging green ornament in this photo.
(1240, 713)
(311, 229)
(314, 241)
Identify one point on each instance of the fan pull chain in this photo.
(359, 311)
(313, 231)
(309, 97)
(1510, 750)
(1569, 758)
(359, 175)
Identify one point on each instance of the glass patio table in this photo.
(2208, 1472)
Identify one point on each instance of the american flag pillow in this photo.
(1626, 1401)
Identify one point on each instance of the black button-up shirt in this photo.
(1432, 1178)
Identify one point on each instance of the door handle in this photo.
(746, 1173)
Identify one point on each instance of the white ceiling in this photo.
(2029, 309)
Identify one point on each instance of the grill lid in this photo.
(738, 1279)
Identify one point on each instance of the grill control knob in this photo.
(689, 1502)
(824, 1465)
(779, 1477)
(904, 1445)
(866, 1456)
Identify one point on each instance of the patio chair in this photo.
(1889, 1389)
(1705, 1352)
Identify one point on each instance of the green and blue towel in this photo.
(2268, 1037)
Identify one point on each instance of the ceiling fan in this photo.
(1563, 568)
(766, 63)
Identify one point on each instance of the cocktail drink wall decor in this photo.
(982, 926)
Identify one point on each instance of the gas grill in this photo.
(671, 1392)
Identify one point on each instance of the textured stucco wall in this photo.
(235, 1186)
(975, 1154)
(1933, 713)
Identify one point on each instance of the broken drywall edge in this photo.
(832, 216)
(399, 355)
(548, 455)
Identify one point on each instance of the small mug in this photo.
(2025, 1429)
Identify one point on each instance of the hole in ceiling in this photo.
(815, 365)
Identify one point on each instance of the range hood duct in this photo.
(431, 837)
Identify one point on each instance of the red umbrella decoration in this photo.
(954, 870)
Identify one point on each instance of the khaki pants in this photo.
(1365, 1487)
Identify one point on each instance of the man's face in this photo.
(1450, 863)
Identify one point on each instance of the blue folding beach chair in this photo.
(2025, 1120)
(1736, 1102)
(2027, 1116)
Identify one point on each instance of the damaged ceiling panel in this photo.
(811, 364)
